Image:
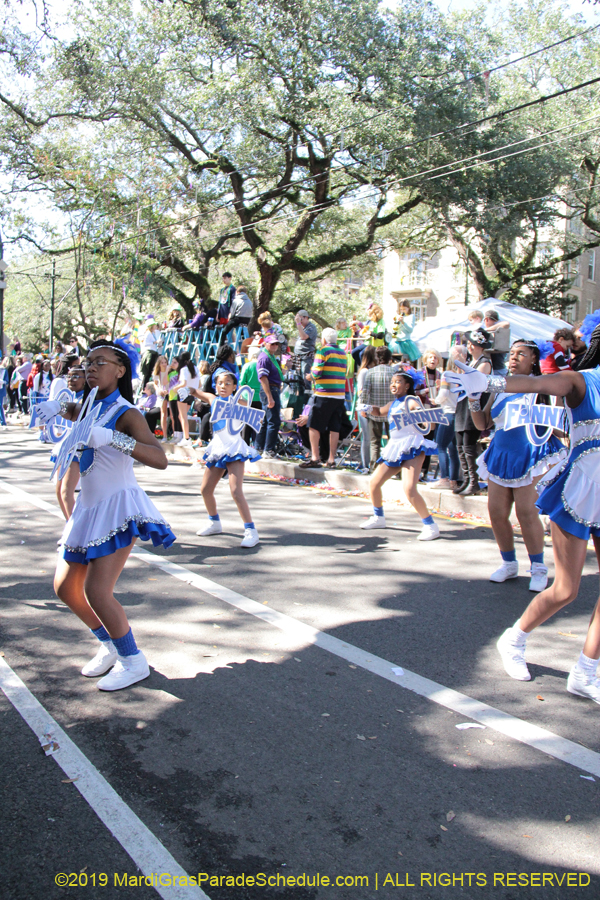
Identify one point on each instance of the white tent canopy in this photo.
(436, 331)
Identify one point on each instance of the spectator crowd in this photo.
(322, 391)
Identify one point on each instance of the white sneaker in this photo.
(583, 684)
(127, 670)
(539, 577)
(184, 442)
(513, 657)
(211, 528)
(507, 570)
(429, 533)
(374, 522)
(251, 538)
(104, 660)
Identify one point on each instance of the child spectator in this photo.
(558, 361)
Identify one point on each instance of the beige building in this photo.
(432, 283)
(435, 283)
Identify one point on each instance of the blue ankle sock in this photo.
(126, 645)
(537, 557)
(428, 520)
(214, 518)
(248, 524)
(509, 555)
(101, 633)
(378, 510)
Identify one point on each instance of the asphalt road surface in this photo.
(273, 735)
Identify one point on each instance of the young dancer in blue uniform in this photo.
(405, 451)
(511, 466)
(110, 513)
(571, 499)
(230, 452)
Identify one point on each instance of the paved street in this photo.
(258, 747)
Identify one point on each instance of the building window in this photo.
(574, 273)
(592, 265)
(590, 307)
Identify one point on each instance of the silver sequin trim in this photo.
(549, 460)
(123, 443)
(590, 439)
(91, 466)
(496, 384)
(138, 519)
(568, 508)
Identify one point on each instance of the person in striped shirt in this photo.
(329, 381)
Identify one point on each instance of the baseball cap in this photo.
(272, 339)
(303, 312)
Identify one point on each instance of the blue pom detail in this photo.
(545, 348)
(590, 322)
(418, 378)
(132, 353)
(159, 535)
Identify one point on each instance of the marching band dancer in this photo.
(230, 452)
(571, 499)
(405, 452)
(66, 487)
(111, 512)
(511, 466)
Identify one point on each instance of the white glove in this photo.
(471, 384)
(100, 437)
(46, 411)
(183, 394)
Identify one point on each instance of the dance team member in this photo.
(111, 512)
(511, 466)
(405, 451)
(66, 487)
(571, 499)
(226, 451)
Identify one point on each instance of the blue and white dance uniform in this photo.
(405, 443)
(111, 509)
(570, 493)
(227, 448)
(511, 460)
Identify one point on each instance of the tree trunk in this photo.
(269, 278)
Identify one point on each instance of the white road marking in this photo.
(137, 840)
(518, 729)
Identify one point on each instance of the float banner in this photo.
(519, 413)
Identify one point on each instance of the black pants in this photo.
(466, 445)
(148, 360)
(152, 417)
(175, 415)
(235, 322)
